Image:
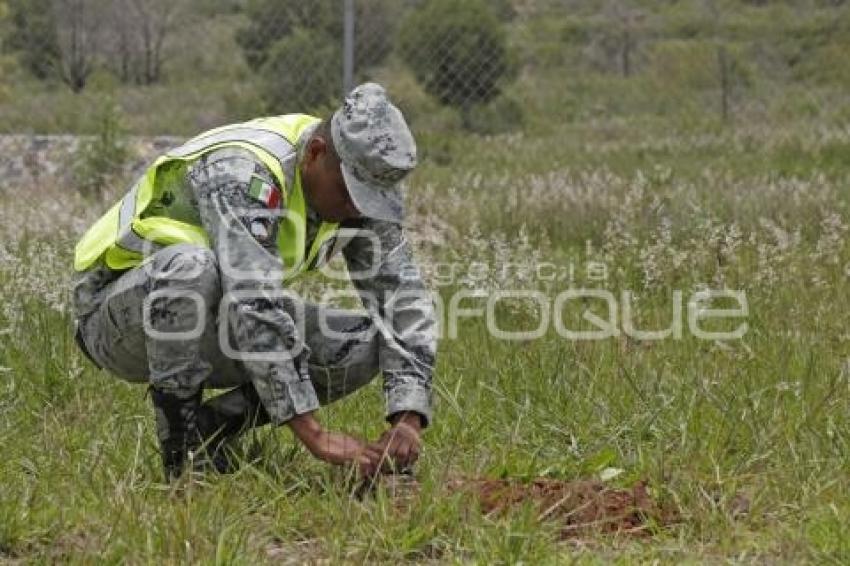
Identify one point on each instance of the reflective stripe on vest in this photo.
(127, 238)
(272, 140)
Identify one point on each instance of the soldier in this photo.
(183, 285)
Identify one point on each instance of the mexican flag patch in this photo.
(264, 192)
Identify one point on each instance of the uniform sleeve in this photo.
(241, 215)
(391, 286)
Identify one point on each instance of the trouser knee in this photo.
(186, 266)
(184, 283)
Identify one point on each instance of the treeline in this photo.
(484, 58)
(461, 59)
(69, 39)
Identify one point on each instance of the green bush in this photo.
(457, 51)
(300, 75)
(269, 21)
(33, 36)
(100, 160)
(296, 48)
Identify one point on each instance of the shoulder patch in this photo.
(263, 191)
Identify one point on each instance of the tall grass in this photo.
(709, 424)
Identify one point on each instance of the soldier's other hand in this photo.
(399, 446)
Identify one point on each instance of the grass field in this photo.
(748, 439)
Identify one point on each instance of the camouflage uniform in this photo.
(177, 293)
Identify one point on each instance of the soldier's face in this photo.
(324, 185)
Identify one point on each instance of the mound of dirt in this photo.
(579, 507)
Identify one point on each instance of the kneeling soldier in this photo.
(183, 284)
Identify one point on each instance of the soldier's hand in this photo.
(334, 447)
(399, 446)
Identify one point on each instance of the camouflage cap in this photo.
(376, 151)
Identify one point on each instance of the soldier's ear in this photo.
(316, 149)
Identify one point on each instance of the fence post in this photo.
(348, 48)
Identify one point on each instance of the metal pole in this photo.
(348, 48)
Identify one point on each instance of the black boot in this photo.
(223, 418)
(177, 430)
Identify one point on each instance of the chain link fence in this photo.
(457, 55)
(488, 66)
(286, 55)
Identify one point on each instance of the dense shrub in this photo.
(269, 21)
(296, 47)
(32, 35)
(101, 159)
(461, 59)
(299, 75)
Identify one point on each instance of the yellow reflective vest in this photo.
(122, 237)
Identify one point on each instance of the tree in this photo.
(731, 71)
(139, 32)
(457, 51)
(154, 20)
(57, 38)
(78, 33)
(615, 36)
(625, 22)
(33, 36)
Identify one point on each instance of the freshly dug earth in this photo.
(579, 507)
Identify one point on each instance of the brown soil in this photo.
(578, 506)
